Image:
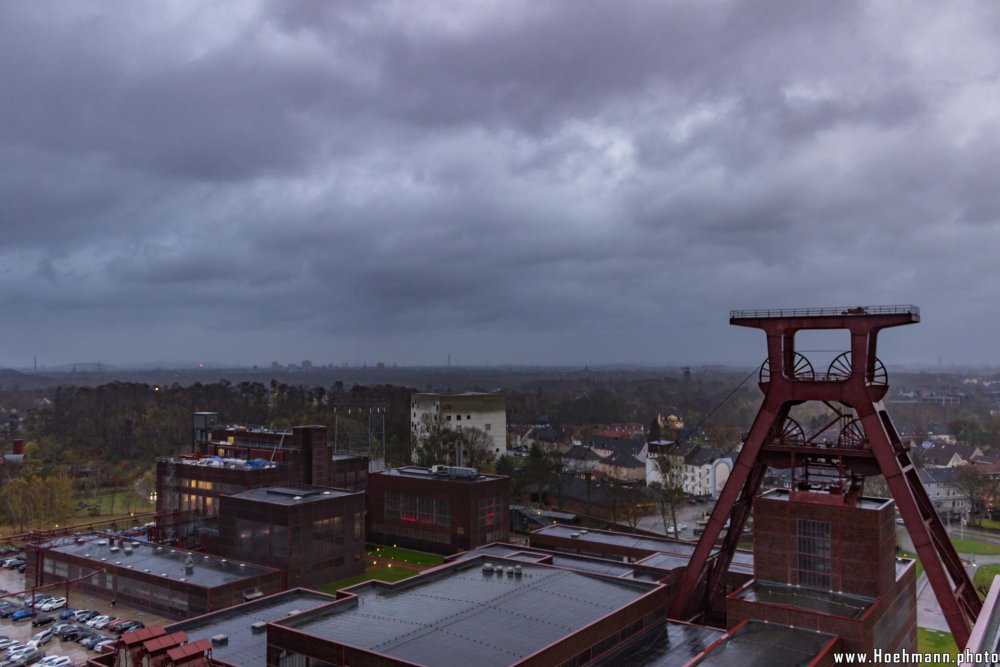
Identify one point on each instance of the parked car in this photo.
(22, 614)
(71, 633)
(5, 642)
(52, 604)
(14, 648)
(55, 661)
(86, 634)
(100, 622)
(85, 615)
(67, 614)
(91, 642)
(43, 637)
(130, 626)
(42, 621)
(29, 655)
(106, 645)
(35, 600)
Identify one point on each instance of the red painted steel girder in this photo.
(862, 389)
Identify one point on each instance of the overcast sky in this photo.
(508, 182)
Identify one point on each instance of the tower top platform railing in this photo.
(834, 311)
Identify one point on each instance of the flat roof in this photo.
(865, 502)
(293, 494)
(767, 645)
(559, 559)
(810, 599)
(159, 561)
(462, 615)
(665, 553)
(245, 647)
(672, 645)
(417, 472)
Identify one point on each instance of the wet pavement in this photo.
(13, 582)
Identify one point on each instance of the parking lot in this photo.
(22, 631)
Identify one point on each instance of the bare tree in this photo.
(979, 488)
(668, 493)
(475, 448)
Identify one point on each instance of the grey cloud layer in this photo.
(514, 181)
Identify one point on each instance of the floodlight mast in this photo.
(867, 444)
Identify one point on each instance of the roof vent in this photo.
(293, 612)
(518, 570)
(487, 568)
(243, 566)
(114, 550)
(220, 640)
(258, 627)
(510, 571)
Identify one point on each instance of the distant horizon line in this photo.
(100, 366)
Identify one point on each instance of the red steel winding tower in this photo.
(830, 465)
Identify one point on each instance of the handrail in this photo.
(839, 311)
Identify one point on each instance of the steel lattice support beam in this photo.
(787, 379)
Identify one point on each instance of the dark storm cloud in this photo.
(512, 181)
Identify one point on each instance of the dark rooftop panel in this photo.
(673, 645)
(865, 502)
(826, 602)
(246, 648)
(463, 615)
(293, 495)
(160, 561)
(759, 644)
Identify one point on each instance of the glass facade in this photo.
(418, 509)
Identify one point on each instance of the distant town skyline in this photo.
(505, 182)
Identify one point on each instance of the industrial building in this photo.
(164, 580)
(314, 534)
(479, 611)
(442, 509)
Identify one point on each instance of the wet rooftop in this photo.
(664, 553)
(759, 644)
(673, 645)
(245, 647)
(866, 502)
(160, 561)
(825, 602)
(463, 615)
(295, 494)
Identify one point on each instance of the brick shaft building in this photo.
(443, 510)
(827, 562)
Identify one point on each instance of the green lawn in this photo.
(968, 546)
(990, 524)
(403, 555)
(935, 641)
(387, 573)
(984, 577)
(920, 567)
